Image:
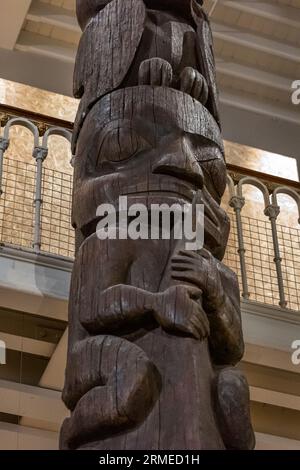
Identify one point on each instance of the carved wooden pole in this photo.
(154, 329)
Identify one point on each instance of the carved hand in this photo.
(176, 309)
(193, 83)
(179, 309)
(155, 72)
(201, 270)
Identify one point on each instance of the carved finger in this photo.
(187, 77)
(201, 322)
(181, 259)
(196, 262)
(188, 276)
(166, 74)
(193, 83)
(196, 322)
(194, 292)
(203, 95)
(191, 277)
(194, 255)
(199, 319)
(180, 265)
(155, 72)
(206, 254)
(189, 329)
(188, 253)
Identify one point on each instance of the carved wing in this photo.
(106, 51)
(87, 9)
(206, 58)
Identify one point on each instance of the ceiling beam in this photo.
(248, 102)
(269, 357)
(53, 15)
(270, 442)
(46, 46)
(27, 345)
(274, 398)
(15, 437)
(12, 17)
(244, 38)
(245, 72)
(284, 14)
(33, 403)
(53, 377)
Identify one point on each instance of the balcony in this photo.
(35, 208)
(36, 256)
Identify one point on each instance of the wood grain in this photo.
(155, 329)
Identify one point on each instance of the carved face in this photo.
(152, 154)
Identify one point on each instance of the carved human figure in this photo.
(155, 330)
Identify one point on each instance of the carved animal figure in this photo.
(155, 330)
(149, 323)
(149, 45)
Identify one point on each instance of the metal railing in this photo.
(265, 254)
(28, 202)
(35, 208)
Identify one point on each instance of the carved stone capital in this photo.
(40, 153)
(237, 202)
(4, 144)
(272, 211)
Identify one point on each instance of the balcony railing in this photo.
(35, 208)
(264, 253)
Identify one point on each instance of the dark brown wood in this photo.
(155, 329)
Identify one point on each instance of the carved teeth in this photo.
(155, 72)
(193, 83)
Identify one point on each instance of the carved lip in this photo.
(166, 194)
(174, 188)
(186, 196)
(208, 212)
(212, 227)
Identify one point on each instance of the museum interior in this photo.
(257, 53)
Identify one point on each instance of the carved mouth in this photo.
(212, 226)
(163, 195)
(165, 190)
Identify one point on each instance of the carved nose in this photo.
(179, 162)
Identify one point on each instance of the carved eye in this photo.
(215, 177)
(121, 144)
(210, 158)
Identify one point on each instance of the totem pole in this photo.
(154, 330)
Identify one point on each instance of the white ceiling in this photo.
(257, 46)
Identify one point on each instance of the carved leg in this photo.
(112, 386)
(233, 409)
